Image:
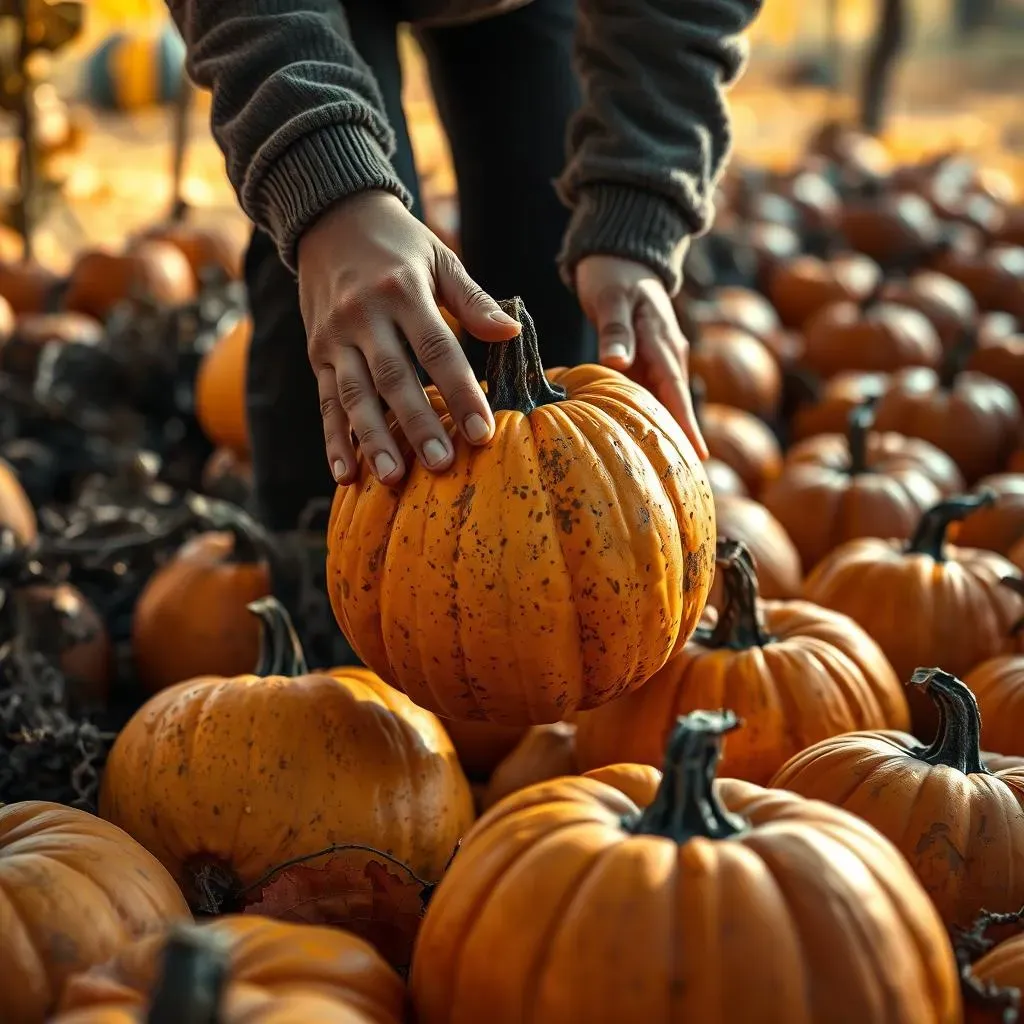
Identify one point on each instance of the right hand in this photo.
(371, 276)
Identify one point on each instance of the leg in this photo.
(505, 90)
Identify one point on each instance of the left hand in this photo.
(628, 304)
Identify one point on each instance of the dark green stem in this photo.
(515, 376)
(930, 536)
(859, 425)
(281, 652)
(192, 980)
(739, 625)
(252, 544)
(686, 806)
(958, 741)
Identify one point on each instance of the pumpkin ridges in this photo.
(998, 685)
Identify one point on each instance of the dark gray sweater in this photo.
(299, 118)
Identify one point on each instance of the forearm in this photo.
(653, 134)
(296, 111)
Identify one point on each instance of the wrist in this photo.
(331, 220)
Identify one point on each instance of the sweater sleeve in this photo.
(295, 110)
(653, 134)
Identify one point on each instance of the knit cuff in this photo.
(316, 172)
(617, 220)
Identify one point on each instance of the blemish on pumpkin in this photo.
(938, 835)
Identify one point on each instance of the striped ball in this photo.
(132, 71)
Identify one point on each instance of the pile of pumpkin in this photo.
(741, 742)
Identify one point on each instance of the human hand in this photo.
(370, 277)
(636, 324)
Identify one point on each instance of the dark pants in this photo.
(505, 91)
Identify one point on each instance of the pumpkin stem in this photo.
(930, 536)
(955, 360)
(958, 741)
(281, 652)
(252, 542)
(686, 806)
(970, 944)
(859, 425)
(739, 625)
(191, 985)
(515, 376)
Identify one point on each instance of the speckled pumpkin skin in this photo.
(552, 570)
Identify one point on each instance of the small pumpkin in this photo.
(994, 276)
(773, 246)
(482, 746)
(742, 308)
(1000, 525)
(960, 826)
(923, 599)
(997, 350)
(221, 390)
(737, 370)
(242, 968)
(191, 618)
(801, 287)
(724, 480)
(545, 752)
(775, 556)
(796, 672)
(948, 305)
(586, 524)
(28, 286)
(153, 271)
(205, 248)
(836, 398)
(972, 418)
(818, 910)
(16, 511)
(325, 795)
(834, 488)
(73, 889)
(896, 229)
(742, 442)
(874, 337)
(998, 685)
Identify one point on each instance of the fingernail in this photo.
(434, 452)
(616, 350)
(384, 465)
(339, 469)
(476, 428)
(501, 317)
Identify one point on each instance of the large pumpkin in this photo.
(73, 890)
(795, 672)
(191, 618)
(998, 685)
(834, 488)
(246, 967)
(960, 826)
(285, 789)
(694, 901)
(555, 568)
(923, 600)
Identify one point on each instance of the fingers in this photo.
(666, 353)
(442, 357)
(469, 303)
(337, 433)
(613, 318)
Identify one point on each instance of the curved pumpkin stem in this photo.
(252, 542)
(193, 979)
(515, 376)
(739, 625)
(859, 425)
(970, 944)
(930, 536)
(281, 653)
(686, 806)
(958, 742)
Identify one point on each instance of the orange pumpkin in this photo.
(801, 287)
(724, 481)
(972, 418)
(948, 305)
(221, 390)
(795, 672)
(28, 287)
(997, 350)
(998, 526)
(73, 889)
(742, 308)
(960, 826)
(836, 398)
(994, 276)
(152, 271)
(621, 908)
(897, 229)
(742, 442)
(545, 752)
(482, 746)
(923, 600)
(326, 795)
(191, 618)
(205, 248)
(872, 337)
(586, 524)
(737, 370)
(834, 488)
(775, 556)
(16, 511)
(998, 685)
(247, 968)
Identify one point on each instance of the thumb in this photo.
(470, 304)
